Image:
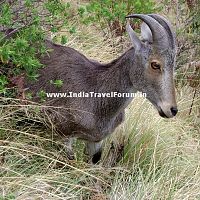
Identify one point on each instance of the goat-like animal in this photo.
(147, 67)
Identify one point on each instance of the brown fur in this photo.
(86, 118)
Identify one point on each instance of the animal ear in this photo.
(134, 38)
(146, 33)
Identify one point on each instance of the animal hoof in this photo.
(96, 157)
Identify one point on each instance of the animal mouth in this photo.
(162, 114)
(160, 111)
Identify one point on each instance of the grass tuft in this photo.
(146, 158)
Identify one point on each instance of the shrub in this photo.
(24, 25)
(111, 14)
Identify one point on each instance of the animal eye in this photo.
(155, 65)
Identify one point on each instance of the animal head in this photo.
(155, 62)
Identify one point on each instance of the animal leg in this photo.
(69, 148)
(94, 150)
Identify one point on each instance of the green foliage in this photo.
(29, 95)
(8, 197)
(63, 39)
(42, 95)
(57, 83)
(109, 13)
(3, 83)
(6, 15)
(25, 27)
(72, 30)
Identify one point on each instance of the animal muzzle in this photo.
(167, 110)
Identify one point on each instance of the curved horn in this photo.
(168, 27)
(160, 37)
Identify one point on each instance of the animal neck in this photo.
(116, 78)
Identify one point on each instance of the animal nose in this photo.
(174, 111)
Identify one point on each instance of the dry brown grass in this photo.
(160, 159)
